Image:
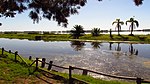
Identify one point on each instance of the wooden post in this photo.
(2, 51)
(85, 72)
(30, 57)
(37, 59)
(43, 63)
(9, 51)
(138, 80)
(50, 65)
(110, 33)
(70, 75)
(16, 53)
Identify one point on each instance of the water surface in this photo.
(113, 58)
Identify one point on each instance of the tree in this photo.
(77, 31)
(58, 10)
(118, 26)
(138, 2)
(95, 31)
(132, 25)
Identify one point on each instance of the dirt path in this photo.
(49, 78)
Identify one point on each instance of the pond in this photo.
(113, 58)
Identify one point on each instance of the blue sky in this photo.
(94, 15)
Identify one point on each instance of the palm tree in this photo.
(77, 31)
(132, 26)
(119, 23)
(95, 31)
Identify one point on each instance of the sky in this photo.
(94, 14)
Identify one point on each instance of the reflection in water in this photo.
(77, 45)
(118, 48)
(111, 58)
(118, 52)
(110, 45)
(96, 45)
(132, 51)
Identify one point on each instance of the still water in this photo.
(113, 58)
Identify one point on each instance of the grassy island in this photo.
(87, 37)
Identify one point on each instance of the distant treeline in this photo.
(65, 32)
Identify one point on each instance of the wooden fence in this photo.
(17, 57)
(85, 71)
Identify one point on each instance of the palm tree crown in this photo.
(95, 31)
(133, 23)
(119, 23)
(77, 31)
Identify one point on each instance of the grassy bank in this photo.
(18, 72)
(106, 37)
(12, 72)
(66, 37)
(50, 37)
(91, 80)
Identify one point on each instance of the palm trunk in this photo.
(132, 25)
(131, 31)
(118, 30)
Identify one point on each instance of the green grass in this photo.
(50, 37)
(99, 81)
(91, 80)
(11, 71)
(67, 37)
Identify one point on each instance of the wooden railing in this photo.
(85, 71)
(17, 57)
(50, 64)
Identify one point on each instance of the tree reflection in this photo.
(118, 53)
(132, 51)
(96, 45)
(110, 45)
(118, 48)
(77, 45)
